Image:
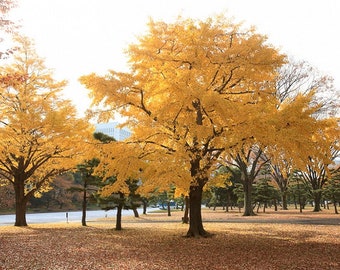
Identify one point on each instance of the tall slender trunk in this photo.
(228, 201)
(83, 217)
(195, 221)
(248, 206)
(20, 203)
(334, 202)
(284, 200)
(275, 205)
(169, 209)
(185, 218)
(300, 203)
(145, 205)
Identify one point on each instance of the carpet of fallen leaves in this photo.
(272, 240)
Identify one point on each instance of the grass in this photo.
(272, 240)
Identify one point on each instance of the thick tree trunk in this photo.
(119, 217)
(185, 218)
(195, 221)
(248, 206)
(20, 203)
(317, 202)
(119, 212)
(20, 213)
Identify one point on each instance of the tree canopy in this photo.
(40, 135)
(196, 91)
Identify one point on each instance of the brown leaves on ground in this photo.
(268, 241)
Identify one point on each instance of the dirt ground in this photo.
(271, 240)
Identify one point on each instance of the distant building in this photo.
(112, 130)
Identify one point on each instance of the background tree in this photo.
(40, 136)
(234, 178)
(219, 189)
(300, 78)
(265, 194)
(58, 197)
(299, 190)
(331, 191)
(110, 195)
(90, 183)
(249, 163)
(239, 193)
(281, 176)
(127, 198)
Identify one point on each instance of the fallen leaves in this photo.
(155, 241)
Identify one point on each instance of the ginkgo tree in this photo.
(40, 135)
(196, 89)
(297, 78)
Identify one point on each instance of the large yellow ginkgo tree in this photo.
(40, 135)
(196, 89)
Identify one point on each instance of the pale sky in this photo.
(77, 37)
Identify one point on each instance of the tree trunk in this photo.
(135, 212)
(20, 213)
(335, 209)
(228, 201)
(119, 217)
(284, 201)
(169, 209)
(145, 205)
(20, 203)
(317, 202)
(248, 206)
(258, 208)
(83, 218)
(275, 205)
(195, 222)
(334, 203)
(185, 218)
(300, 203)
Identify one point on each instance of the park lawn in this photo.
(155, 241)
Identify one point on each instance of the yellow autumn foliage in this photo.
(40, 134)
(197, 90)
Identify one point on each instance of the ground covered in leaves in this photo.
(273, 240)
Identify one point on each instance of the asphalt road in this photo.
(62, 216)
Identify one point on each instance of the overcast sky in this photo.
(77, 37)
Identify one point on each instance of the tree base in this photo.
(249, 214)
(201, 234)
(20, 225)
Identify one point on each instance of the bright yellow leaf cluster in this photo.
(196, 90)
